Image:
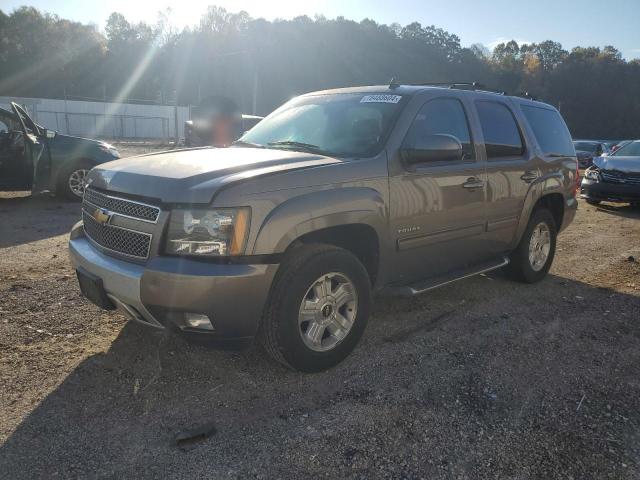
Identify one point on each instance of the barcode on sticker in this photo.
(381, 98)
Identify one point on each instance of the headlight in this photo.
(215, 232)
(591, 174)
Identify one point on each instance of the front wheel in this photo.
(532, 259)
(73, 179)
(318, 309)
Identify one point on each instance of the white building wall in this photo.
(104, 119)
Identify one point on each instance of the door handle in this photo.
(473, 182)
(529, 177)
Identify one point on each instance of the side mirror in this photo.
(50, 133)
(433, 148)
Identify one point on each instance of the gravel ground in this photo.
(484, 378)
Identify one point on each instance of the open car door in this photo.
(36, 146)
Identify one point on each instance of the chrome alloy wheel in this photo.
(327, 312)
(539, 246)
(77, 181)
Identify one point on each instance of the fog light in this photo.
(197, 320)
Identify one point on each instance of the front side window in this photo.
(589, 147)
(341, 125)
(501, 133)
(550, 130)
(442, 116)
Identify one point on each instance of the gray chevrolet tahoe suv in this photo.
(335, 195)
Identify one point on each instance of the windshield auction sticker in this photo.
(381, 98)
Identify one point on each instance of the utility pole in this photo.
(175, 118)
(255, 88)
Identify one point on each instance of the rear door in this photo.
(437, 208)
(511, 169)
(36, 149)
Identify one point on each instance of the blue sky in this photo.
(571, 22)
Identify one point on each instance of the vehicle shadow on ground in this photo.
(620, 210)
(27, 218)
(542, 380)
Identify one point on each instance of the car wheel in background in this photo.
(533, 257)
(72, 180)
(318, 309)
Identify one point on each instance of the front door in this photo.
(437, 208)
(15, 170)
(37, 155)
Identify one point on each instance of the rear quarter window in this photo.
(550, 130)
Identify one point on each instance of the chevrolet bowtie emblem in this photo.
(101, 215)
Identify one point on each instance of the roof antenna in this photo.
(393, 84)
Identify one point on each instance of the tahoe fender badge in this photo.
(408, 229)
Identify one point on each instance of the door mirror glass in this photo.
(433, 148)
(50, 133)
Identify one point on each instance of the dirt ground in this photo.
(484, 378)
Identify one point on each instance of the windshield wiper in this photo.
(243, 143)
(294, 144)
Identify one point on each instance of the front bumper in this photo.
(160, 292)
(613, 192)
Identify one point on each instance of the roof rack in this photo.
(461, 86)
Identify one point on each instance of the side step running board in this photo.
(429, 284)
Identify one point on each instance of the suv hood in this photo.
(195, 175)
(622, 164)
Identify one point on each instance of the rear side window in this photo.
(443, 116)
(550, 131)
(501, 133)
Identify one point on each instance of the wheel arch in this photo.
(547, 193)
(349, 218)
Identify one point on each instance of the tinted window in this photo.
(590, 147)
(442, 116)
(549, 129)
(501, 134)
(629, 150)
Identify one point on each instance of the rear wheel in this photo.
(73, 179)
(532, 259)
(318, 309)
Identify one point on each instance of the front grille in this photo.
(117, 239)
(124, 207)
(616, 176)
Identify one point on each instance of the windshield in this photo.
(629, 150)
(340, 125)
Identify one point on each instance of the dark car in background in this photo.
(217, 121)
(39, 159)
(200, 132)
(614, 178)
(587, 150)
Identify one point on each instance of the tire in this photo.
(282, 329)
(521, 266)
(64, 187)
(593, 202)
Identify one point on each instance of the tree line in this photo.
(233, 54)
